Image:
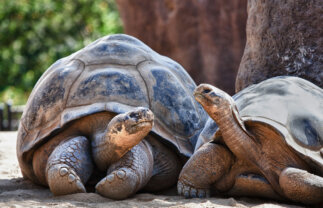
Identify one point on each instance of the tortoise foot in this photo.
(69, 166)
(128, 175)
(191, 192)
(206, 166)
(119, 184)
(63, 180)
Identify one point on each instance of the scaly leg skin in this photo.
(204, 168)
(167, 166)
(126, 176)
(301, 186)
(69, 166)
(252, 185)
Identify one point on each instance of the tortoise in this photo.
(266, 141)
(117, 107)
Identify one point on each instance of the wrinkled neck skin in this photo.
(104, 140)
(238, 141)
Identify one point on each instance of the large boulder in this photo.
(283, 38)
(206, 37)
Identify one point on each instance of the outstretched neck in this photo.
(235, 137)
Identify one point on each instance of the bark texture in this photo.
(283, 38)
(206, 37)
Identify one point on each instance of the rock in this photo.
(206, 37)
(283, 38)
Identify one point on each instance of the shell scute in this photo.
(306, 130)
(50, 95)
(178, 111)
(114, 52)
(109, 84)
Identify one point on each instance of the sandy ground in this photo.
(17, 192)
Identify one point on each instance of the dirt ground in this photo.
(17, 192)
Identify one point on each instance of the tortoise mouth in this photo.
(201, 98)
(142, 124)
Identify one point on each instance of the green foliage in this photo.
(36, 33)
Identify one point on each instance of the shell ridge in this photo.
(69, 90)
(262, 117)
(113, 64)
(105, 106)
(129, 43)
(178, 141)
(112, 101)
(148, 94)
(305, 152)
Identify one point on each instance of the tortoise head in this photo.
(138, 121)
(216, 102)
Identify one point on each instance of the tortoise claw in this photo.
(118, 185)
(63, 180)
(128, 175)
(191, 192)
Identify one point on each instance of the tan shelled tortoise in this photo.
(267, 142)
(116, 106)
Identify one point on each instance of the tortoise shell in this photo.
(116, 73)
(291, 106)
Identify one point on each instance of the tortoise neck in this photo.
(238, 141)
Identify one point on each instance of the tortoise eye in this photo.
(206, 91)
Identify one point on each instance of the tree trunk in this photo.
(206, 37)
(283, 38)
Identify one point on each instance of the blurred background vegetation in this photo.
(36, 33)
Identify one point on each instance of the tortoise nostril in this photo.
(134, 115)
(206, 91)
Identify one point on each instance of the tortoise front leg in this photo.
(204, 168)
(69, 166)
(301, 186)
(167, 166)
(126, 176)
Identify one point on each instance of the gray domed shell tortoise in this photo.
(85, 108)
(267, 142)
